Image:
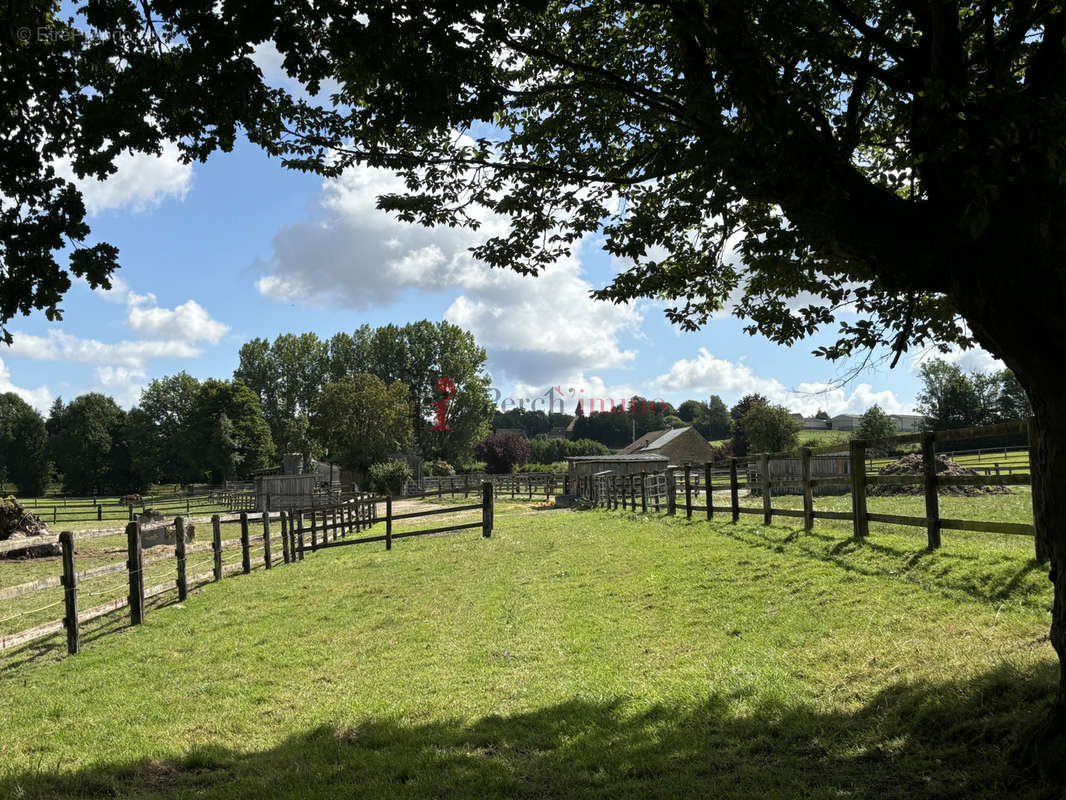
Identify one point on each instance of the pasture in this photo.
(587, 654)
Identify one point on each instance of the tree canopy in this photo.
(875, 424)
(288, 375)
(23, 446)
(360, 419)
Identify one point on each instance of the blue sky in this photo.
(215, 254)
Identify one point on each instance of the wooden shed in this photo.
(284, 492)
(633, 464)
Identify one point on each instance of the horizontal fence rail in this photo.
(766, 475)
(75, 597)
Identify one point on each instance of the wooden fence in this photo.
(516, 485)
(94, 509)
(298, 533)
(755, 475)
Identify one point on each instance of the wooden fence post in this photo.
(932, 499)
(388, 522)
(643, 492)
(179, 554)
(1042, 553)
(135, 567)
(671, 493)
(688, 491)
(734, 489)
(314, 530)
(246, 556)
(707, 496)
(858, 488)
(70, 593)
(808, 494)
(286, 538)
(767, 504)
(300, 533)
(487, 509)
(216, 544)
(266, 540)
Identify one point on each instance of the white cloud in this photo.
(40, 398)
(60, 346)
(976, 359)
(716, 375)
(189, 322)
(356, 256)
(707, 374)
(123, 383)
(271, 63)
(143, 181)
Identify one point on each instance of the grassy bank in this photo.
(573, 654)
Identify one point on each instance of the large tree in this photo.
(161, 428)
(87, 430)
(228, 432)
(360, 420)
(23, 446)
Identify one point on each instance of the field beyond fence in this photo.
(93, 585)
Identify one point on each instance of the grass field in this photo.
(582, 654)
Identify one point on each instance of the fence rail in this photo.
(516, 485)
(298, 532)
(755, 474)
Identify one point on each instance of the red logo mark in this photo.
(447, 386)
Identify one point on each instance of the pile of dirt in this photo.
(912, 464)
(18, 524)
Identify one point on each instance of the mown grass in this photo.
(573, 654)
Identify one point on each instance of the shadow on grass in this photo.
(949, 739)
(988, 578)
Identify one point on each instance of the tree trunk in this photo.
(1021, 321)
(1048, 467)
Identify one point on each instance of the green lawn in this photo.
(583, 654)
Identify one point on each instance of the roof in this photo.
(620, 457)
(642, 442)
(655, 440)
(667, 437)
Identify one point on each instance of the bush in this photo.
(552, 451)
(502, 452)
(437, 468)
(389, 477)
(558, 466)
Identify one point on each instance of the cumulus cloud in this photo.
(354, 256)
(123, 383)
(59, 346)
(143, 181)
(188, 321)
(976, 359)
(40, 398)
(707, 374)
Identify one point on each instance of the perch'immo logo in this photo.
(445, 386)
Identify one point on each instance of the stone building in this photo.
(679, 445)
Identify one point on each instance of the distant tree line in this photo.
(355, 399)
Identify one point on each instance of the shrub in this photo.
(502, 452)
(438, 467)
(389, 477)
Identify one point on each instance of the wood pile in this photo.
(17, 524)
